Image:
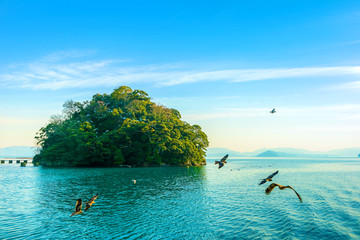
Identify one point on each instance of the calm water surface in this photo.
(184, 203)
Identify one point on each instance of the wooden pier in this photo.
(16, 160)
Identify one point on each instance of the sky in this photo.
(223, 64)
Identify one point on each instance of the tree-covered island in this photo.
(123, 128)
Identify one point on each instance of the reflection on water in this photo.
(184, 203)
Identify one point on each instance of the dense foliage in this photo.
(123, 128)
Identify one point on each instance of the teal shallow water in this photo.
(184, 203)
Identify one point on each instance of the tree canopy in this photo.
(121, 128)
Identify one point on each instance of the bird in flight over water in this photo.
(77, 207)
(273, 185)
(269, 178)
(222, 161)
(90, 202)
(273, 111)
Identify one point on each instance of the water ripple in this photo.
(183, 203)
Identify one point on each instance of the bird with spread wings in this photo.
(222, 161)
(90, 202)
(269, 178)
(274, 185)
(77, 207)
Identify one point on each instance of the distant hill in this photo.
(220, 152)
(284, 152)
(268, 153)
(18, 151)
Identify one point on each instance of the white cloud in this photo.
(243, 75)
(350, 85)
(52, 72)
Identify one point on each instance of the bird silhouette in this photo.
(222, 161)
(273, 185)
(77, 207)
(273, 111)
(90, 202)
(269, 178)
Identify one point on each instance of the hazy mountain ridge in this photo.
(284, 152)
(18, 151)
(268, 153)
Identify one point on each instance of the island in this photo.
(124, 128)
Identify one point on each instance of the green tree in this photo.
(124, 127)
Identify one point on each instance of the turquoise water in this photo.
(184, 203)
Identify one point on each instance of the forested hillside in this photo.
(121, 128)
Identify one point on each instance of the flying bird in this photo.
(90, 202)
(269, 178)
(273, 111)
(77, 207)
(273, 185)
(222, 161)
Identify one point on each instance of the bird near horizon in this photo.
(77, 207)
(90, 202)
(269, 178)
(222, 161)
(273, 111)
(273, 185)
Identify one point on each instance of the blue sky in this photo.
(223, 64)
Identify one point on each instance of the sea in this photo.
(184, 202)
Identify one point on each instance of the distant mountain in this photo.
(255, 153)
(353, 152)
(268, 153)
(220, 152)
(18, 151)
(284, 152)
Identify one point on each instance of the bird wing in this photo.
(221, 164)
(93, 198)
(224, 158)
(87, 206)
(78, 205)
(270, 188)
(296, 193)
(272, 175)
(262, 182)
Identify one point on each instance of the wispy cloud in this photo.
(350, 85)
(60, 71)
